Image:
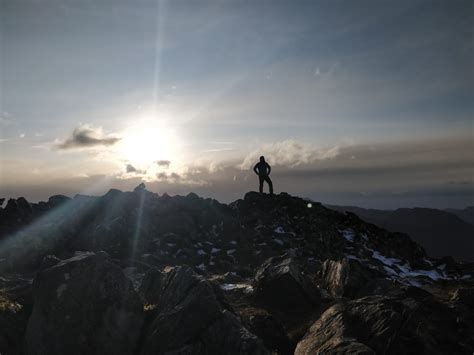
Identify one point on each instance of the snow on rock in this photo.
(349, 235)
(385, 260)
(201, 252)
(279, 230)
(230, 251)
(240, 286)
(215, 250)
(396, 269)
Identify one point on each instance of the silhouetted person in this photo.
(262, 169)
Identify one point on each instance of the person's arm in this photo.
(269, 168)
(255, 169)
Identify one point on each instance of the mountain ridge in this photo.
(263, 274)
(440, 232)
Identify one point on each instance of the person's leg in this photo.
(260, 188)
(270, 184)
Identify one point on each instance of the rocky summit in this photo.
(142, 273)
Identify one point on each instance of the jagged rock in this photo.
(151, 286)
(14, 312)
(349, 278)
(12, 324)
(267, 328)
(384, 325)
(58, 200)
(281, 284)
(83, 305)
(338, 278)
(190, 319)
(464, 295)
(48, 261)
(18, 210)
(140, 187)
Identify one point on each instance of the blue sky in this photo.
(317, 86)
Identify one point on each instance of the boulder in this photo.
(385, 325)
(348, 278)
(83, 305)
(191, 318)
(267, 328)
(280, 283)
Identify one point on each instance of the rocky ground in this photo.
(138, 273)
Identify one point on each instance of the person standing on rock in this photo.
(263, 169)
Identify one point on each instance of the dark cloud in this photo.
(86, 137)
(163, 163)
(130, 169)
(168, 177)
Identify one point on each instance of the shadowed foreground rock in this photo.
(384, 325)
(191, 319)
(280, 283)
(83, 305)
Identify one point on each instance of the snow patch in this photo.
(394, 267)
(201, 252)
(215, 250)
(349, 235)
(230, 251)
(385, 260)
(279, 230)
(229, 287)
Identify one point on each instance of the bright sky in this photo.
(367, 103)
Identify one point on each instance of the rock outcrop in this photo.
(83, 305)
(281, 283)
(385, 325)
(138, 273)
(190, 318)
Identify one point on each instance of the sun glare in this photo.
(144, 144)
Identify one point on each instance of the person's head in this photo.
(262, 158)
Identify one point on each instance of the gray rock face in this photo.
(349, 278)
(83, 305)
(151, 286)
(190, 319)
(465, 296)
(384, 325)
(281, 283)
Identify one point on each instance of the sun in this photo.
(145, 143)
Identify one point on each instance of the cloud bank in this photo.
(289, 153)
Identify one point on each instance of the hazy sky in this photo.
(352, 102)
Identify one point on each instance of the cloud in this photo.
(163, 163)
(130, 169)
(289, 153)
(86, 137)
(171, 177)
